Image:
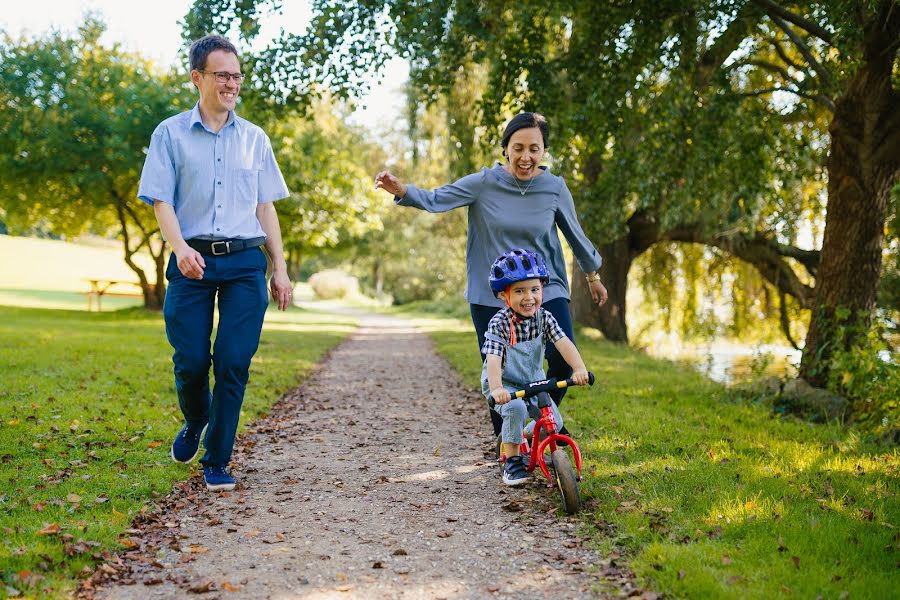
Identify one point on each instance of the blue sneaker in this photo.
(217, 479)
(186, 446)
(514, 471)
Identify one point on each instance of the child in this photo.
(514, 350)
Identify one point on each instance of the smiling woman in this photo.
(519, 204)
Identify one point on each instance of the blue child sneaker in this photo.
(217, 479)
(186, 446)
(514, 471)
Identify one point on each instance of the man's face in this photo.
(525, 297)
(214, 96)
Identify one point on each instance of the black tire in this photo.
(566, 481)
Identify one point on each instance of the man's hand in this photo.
(190, 262)
(282, 291)
(500, 395)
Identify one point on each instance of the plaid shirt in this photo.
(526, 330)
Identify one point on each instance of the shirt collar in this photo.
(196, 119)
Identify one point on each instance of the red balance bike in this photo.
(545, 437)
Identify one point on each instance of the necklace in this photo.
(521, 191)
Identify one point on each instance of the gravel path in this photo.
(370, 481)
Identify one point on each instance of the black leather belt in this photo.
(220, 247)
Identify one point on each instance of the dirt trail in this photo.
(370, 481)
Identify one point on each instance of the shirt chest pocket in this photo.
(246, 185)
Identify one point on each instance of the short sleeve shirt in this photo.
(214, 180)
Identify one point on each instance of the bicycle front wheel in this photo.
(566, 481)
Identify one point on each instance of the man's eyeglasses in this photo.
(224, 76)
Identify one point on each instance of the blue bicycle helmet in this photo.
(517, 265)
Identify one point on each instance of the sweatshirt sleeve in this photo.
(463, 192)
(585, 254)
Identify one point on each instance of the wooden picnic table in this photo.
(110, 287)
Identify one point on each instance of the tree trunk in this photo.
(862, 167)
(609, 318)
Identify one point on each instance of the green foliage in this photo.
(75, 123)
(865, 374)
(76, 119)
(328, 168)
(708, 498)
(87, 414)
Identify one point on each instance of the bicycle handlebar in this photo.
(547, 385)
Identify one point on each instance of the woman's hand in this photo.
(389, 183)
(598, 292)
(500, 395)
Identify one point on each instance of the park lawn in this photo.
(87, 415)
(711, 497)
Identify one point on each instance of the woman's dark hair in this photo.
(201, 49)
(526, 120)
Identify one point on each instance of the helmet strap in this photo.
(513, 319)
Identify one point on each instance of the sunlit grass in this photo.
(712, 497)
(87, 414)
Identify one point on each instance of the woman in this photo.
(516, 205)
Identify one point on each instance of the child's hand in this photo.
(500, 395)
(580, 377)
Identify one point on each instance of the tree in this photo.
(607, 70)
(75, 122)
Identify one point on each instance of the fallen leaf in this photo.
(154, 444)
(781, 546)
(377, 565)
(38, 507)
(399, 552)
(796, 560)
(73, 498)
(230, 587)
(129, 543)
(196, 549)
(445, 533)
(726, 560)
(51, 529)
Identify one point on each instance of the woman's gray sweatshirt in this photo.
(501, 218)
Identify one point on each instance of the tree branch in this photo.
(775, 10)
(817, 98)
(762, 253)
(785, 320)
(821, 71)
(725, 45)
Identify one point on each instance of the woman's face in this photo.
(525, 152)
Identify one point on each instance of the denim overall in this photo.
(524, 364)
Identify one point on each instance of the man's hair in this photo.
(201, 49)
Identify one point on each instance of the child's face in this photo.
(525, 297)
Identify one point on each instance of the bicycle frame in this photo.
(547, 424)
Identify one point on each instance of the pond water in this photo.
(730, 363)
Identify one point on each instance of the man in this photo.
(212, 178)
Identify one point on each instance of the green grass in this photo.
(714, 498)
(87, 414)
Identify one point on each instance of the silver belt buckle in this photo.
(225, 245)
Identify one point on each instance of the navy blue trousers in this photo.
(557, 367)
(239, 282)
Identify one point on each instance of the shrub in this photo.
(866, 375)
(331, 284)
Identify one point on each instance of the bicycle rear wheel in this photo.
(566, 481)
